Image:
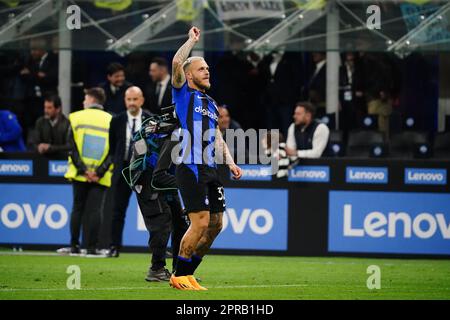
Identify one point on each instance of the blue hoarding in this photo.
(389, 222)
(366, 175)
(40, 214)
(16, 167)
(425, 176)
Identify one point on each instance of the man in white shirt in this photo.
(306, 138)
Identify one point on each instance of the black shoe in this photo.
(75, 249)
(113, 253)
(159, 275)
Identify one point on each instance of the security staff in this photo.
(89, 170)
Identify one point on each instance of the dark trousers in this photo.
(121, 197)
(157, 219)
(87, 211)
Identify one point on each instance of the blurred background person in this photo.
(40, 75)
(306, 138)
(281, 89)
(378, 88)
(159, 93)
(52, 130)
(225, 120)
(121, 131)
(351, 96)
(115, 88)
(12, 86)
(10, 133)
(89, 169)
(316, 89)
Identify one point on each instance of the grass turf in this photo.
(227, 277)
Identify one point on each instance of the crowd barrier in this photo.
(339, 206)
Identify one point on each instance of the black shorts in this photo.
(200, 188)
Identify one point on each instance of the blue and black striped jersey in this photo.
(198, 115)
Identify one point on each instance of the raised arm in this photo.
(178, 77)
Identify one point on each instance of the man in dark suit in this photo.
(159, 93)
(317, 85)
(40, 77)
(281, 76)
(115, 88)
(121, 131)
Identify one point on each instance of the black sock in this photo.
(196, 260)
(183, 267)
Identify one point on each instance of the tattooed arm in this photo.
(178, 77)
(224, 156)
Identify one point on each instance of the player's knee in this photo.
(200, 224)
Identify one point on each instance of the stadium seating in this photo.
(335, 147)
(329, 119)
(362, 143)
(441, 147)
(369, 122)
(409, 144)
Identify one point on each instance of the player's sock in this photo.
(196, 260)
(183, 266)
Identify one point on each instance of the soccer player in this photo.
(197, 175)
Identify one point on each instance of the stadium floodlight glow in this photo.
(336, 148)
(368, 121)
(410, 122)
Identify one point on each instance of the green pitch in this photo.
(227, 277)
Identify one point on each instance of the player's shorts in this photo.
(200, 188)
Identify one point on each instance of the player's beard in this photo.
(201, 86)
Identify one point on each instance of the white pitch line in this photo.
(147, 288)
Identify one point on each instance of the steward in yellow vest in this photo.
(90, 130)
(90, 169)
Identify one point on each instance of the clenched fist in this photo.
(194, 34)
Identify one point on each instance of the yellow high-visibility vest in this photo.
(11, 3)
(310, 4)
(115, 5)
(189, 10)
(418, 2)
(90, 128)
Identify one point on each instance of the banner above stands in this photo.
(236, 9)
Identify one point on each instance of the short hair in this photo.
(308, 106)
(97, 93)
(189, 61)
(55, 99)
(114, 67)
(160, 61)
